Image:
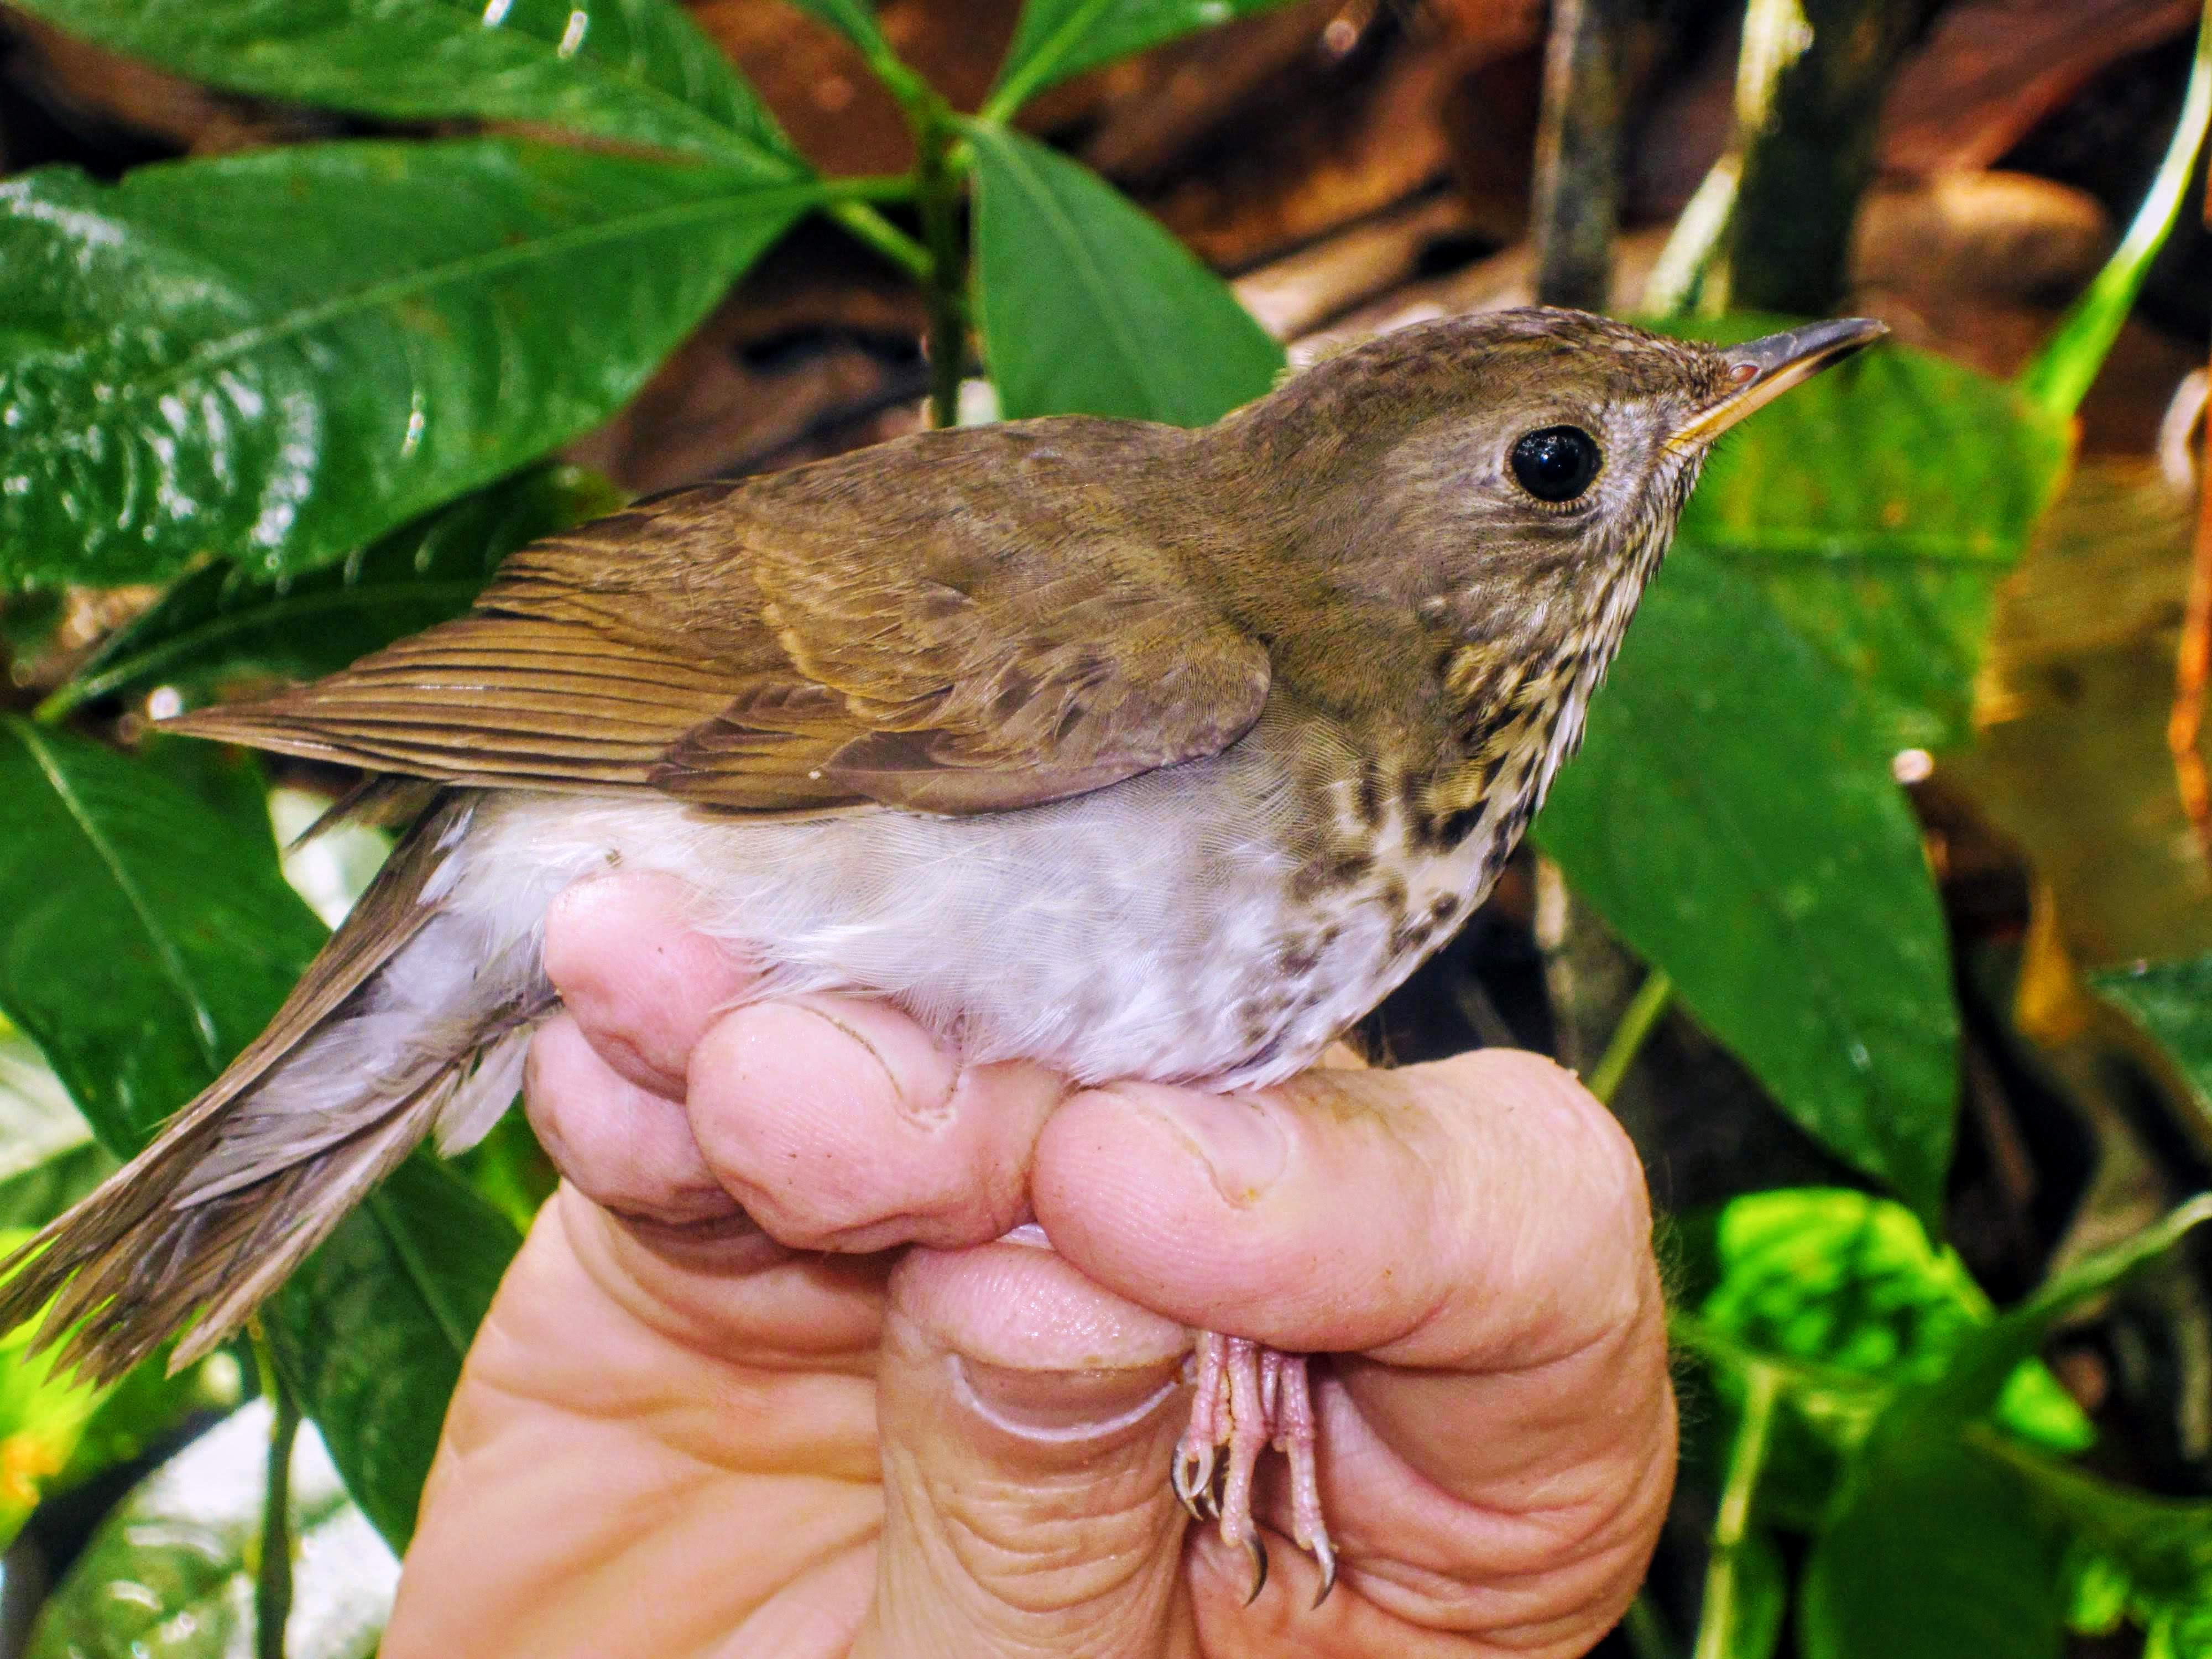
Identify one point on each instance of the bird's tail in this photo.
(401, 1025)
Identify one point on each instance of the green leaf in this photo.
(1852, 1282)
(221, 622)
(170, 1571)
(1734, 819)
(2159, 1548)
(48, 1158)
(1056, 39)
(510, 1170)
(1088, 307)
(149, 937)
(2060, 375)
(146, 941)
(371, 1331)
(277, 357)
(1933, 1553)
(42, 1417)
(853, 19)
(1986, 1359)
(1878, 507)
(637, 71)
(2173, 1002)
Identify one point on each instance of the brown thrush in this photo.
(1137, 752)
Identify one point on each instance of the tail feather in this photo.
(244, 1182)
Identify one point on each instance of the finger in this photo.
(1027, 1419)
(643, 983)
(842, 1125)
(626, 1148)
(1480, 1229)
(1436, 1216)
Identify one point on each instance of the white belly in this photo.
(1144, 931)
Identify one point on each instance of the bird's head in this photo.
(1514, 476)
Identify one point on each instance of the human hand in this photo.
(717, 1409)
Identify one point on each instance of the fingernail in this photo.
(1235, 1135)
(1060, 1405)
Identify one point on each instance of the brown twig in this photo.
(2186, 722)
(1578, 154)
(2190, 673)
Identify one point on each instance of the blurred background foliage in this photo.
(1872, 905)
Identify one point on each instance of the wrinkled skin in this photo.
(685, 1432)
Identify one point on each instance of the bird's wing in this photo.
(936, 641)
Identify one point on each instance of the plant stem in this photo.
(1808, 163)
(1679, 276)
(1646, 1630)
(1636, 1024)
(938, 195)
(2060, 375)
(1775, 35)
(1578, 154)
(1762, 1386)
(272, 1576)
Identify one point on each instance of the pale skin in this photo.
(765, 1379)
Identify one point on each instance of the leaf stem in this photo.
(881, 234)
(1746, 1458)
(2059, 376)
(272, 1575)
(1637, 1022)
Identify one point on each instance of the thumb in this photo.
(1027, 1418)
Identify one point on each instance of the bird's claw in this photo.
(1192, 1477)
(1324, 1556)
(1258, 1551)
(1248, 1398)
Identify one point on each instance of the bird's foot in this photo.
(1248, 1398)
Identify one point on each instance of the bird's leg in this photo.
(1193, 1458)
(1247, 1398)
(1294, 1438)
(1249, 1431)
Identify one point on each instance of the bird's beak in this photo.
(1761, 370)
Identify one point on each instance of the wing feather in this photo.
(920, 625)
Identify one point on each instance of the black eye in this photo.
(1556, 463)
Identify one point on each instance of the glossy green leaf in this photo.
(277, 357)
(1088, 306)
(220, 622)
(1056, 39)
(638, 71)
(169, 1572)
(149, 936)
(2173, 1002)
(145, 940)
(1850, 1281)
(1878, 507)
(371, 1331)
(1934, 1553)
(1734, 819)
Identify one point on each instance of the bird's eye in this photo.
(1556, 463)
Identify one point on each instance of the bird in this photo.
(1137, 751)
